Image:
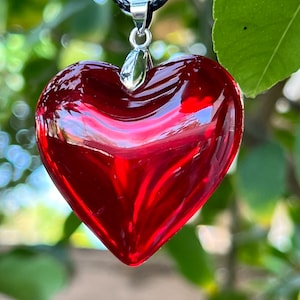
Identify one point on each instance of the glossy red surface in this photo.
(136, 166)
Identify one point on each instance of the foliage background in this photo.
(254, 216)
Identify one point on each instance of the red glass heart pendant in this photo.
(135, 166)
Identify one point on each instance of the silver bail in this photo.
(139, 10)
(137, 63)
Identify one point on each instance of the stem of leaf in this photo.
(230, 282)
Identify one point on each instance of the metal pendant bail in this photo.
(138, 61)
(141, 14)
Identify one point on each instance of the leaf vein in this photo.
(277, 48)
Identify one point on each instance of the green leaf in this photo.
(27, 275)
(252, 244)
(71, 225)
(218, 202)
(26, 14)
(90, 20)
(261, 178)
(257, 41)
(192, 261)
(287, 287)
(37, 72)
(297, 152)
(229, 295)
(3, 15)
(275, 264)
(294, 211)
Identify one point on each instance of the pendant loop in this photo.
(135, 34)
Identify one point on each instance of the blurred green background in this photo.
(251, 222)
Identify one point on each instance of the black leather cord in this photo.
(153, 5)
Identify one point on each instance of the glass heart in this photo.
(136, 166)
